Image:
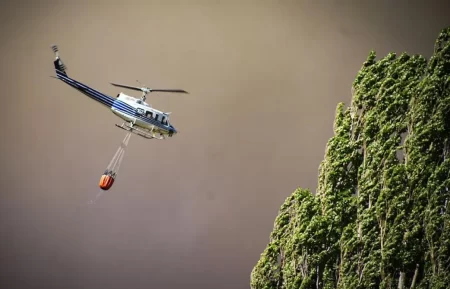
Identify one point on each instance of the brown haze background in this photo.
(194, 211)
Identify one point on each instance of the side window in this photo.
(149, 114)
(163, 120)
(157, 117)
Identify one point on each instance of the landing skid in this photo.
(139, 132)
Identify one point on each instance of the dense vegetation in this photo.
(380, 216)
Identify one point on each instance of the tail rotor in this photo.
(59, 65)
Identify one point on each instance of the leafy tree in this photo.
(380, 217)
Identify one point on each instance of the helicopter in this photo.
(139, 117)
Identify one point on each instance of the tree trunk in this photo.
(401, 280)
(416, 272)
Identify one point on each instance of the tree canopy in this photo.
(380, 217)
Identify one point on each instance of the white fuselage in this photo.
(142, 115)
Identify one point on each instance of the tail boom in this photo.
(61, 74)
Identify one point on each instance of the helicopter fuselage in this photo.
(144, 116)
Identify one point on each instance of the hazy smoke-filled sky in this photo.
(196, 210)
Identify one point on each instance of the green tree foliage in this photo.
(380, 217)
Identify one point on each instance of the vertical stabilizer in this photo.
(59, 65)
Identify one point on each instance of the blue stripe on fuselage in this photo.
(126, 108)
(109, 101)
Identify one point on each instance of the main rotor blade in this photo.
(169, 90)
(127, 86)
